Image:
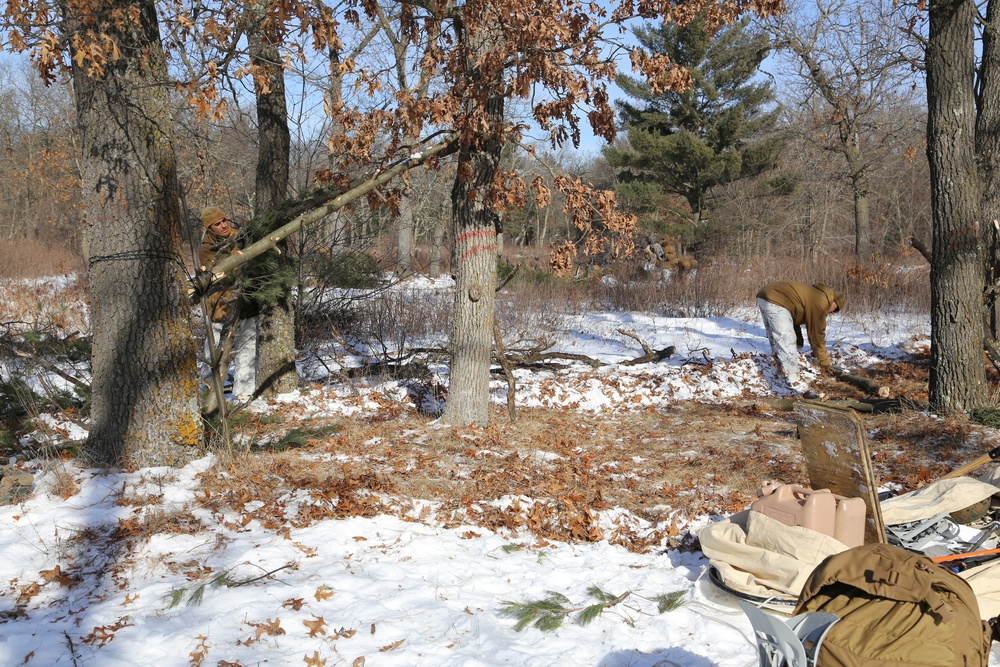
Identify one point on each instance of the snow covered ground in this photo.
(386, 590)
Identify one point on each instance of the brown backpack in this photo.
(896, 608)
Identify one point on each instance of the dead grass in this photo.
(58, 307)
(552, 473)
(30, 258)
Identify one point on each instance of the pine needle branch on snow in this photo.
(196, 594)
(549, 612)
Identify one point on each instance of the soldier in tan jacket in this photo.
(785, 306)
(219, 241)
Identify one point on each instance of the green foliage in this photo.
(196, 594)
(346, 270)
(669, 601)
(987, 416)
(504, 269)
(15, 396)
(717, 131)
(532, 276)
(7, 440)
(685, 232)
(271, 418)
(545, 614)
(268, 278)
(784, 184)
(299, 437)
(73, 348)
(550, 612)
(17, 399)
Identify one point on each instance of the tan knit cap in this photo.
(211, 215)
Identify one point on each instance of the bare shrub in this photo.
(58, 305)
(715, 290)
(533, 303)
(396, 320)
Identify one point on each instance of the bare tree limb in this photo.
(633, 336)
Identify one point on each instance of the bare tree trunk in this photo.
(145, 387)
(437, 246)
(862, 218)
(475, 282)
(405, 235)
(988, 154)
(957, 376)
(276, 342)
(475, 267)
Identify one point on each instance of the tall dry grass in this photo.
(531, 306)
(31, 258)
(724, 286)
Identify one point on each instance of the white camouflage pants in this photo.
(781, 334)
(244, 356)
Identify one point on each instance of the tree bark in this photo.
(145, 392)
(988, 158)
(276, 342)
(862, 217)
(957, 375)
(405, 235)
(475, 254)
(437, 245)
(475, 284)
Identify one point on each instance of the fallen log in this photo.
(532, 357)
(649, 354)
(859, 382)
(652, 356)
(788, 404)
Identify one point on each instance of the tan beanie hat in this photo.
(211, 215)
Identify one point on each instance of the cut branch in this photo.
(860, 382)
(316, 207)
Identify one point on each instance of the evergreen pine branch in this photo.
(218, 580)
(550, 612)
(197, 595)
(547, 613)
(669, 601)
(604, 596)
(176, 596)
(606, 601)
(590, 613)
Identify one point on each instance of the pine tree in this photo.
(719, 129)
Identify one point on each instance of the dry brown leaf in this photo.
(315, 626)
(391, 647)
(314, 660)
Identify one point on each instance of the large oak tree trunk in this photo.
(957, 376)
(145, 393)
(276, 345)
(475, 284)
(988, 157)
(475, 261)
